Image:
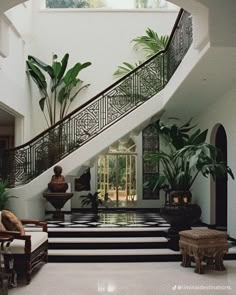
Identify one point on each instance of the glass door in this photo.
(117, 176)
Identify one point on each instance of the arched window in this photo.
(117, 175)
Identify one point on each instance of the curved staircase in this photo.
(121, 110)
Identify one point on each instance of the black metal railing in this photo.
(24, 163)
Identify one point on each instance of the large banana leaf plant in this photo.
(186, 155)
(147, 45)
(59, 89)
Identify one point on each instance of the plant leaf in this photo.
(72, 74)
(64, 63)
(42, 103)
(77, 92)
(42, 65)
(150, 43)
(125, 68)
(61, 95)
(37, 76)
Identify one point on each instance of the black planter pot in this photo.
(180, 197)
(180, 217)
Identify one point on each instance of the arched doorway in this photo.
(221, 182)
(117, 175)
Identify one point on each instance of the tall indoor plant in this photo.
(185, 155)
(59, 88)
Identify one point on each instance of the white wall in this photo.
(14, 96)
(222, 112)
(100, 37)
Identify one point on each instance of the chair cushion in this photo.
(37, 239)
(11, 222)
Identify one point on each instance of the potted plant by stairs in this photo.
(184, 156)
(93, 200)
(58, 88)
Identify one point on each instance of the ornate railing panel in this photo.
(24, 163)
(179, 44)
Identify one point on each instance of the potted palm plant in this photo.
(147, 45)
(185, 156)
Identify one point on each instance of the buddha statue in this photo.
(57, 183)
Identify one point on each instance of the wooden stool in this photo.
(204, 245)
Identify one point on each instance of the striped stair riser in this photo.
(101, 245)
(112, 258)
(115, 252)
(108, 233)
(122, 258)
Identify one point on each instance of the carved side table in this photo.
(205, 245)
(5, 276)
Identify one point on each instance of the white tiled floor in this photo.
(127, 279)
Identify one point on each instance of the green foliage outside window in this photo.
(74, 3)
(114, 4)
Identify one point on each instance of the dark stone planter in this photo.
(180, 197)
(180, 217)
(57, 200)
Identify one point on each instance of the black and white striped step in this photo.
(113, 255)
(108, 232)
(107, 243)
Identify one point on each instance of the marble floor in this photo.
(128, 279)
(108, 219)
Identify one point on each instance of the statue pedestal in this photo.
(58, 200)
